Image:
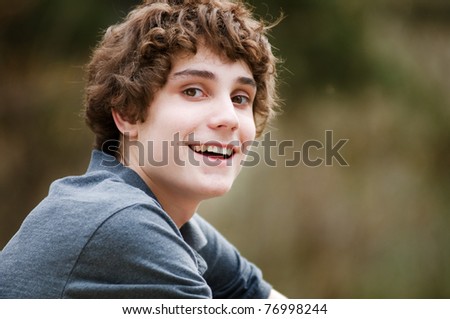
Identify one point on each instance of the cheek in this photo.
(248, 128)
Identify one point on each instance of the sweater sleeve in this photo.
(228, 274)
(137, 253)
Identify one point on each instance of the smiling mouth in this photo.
(213, 151)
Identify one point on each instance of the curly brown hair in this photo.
(133, 60)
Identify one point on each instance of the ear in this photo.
(125, 126)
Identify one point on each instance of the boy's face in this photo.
(206, 105)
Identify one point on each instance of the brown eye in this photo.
(240, 99)
(193, 92)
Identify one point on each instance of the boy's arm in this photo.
(229, 274)
(136, 254)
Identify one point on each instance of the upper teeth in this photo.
(213, 149)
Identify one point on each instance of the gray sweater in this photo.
(104, 235)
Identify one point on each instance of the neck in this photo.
(178, 206)
(174, 204)
(179, 210)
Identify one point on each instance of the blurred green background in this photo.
(374, 72)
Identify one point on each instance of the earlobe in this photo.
(124, 126)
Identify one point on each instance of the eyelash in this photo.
(186, 92)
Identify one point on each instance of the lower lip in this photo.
(213, 161)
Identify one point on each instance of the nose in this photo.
(223, 115)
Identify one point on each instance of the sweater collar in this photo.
(106, 162)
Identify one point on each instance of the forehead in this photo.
(207, 60)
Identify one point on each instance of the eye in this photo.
(193, 92)
(240, 99)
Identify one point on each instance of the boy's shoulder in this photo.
(98, 188)
(59, 237)
(86, 202)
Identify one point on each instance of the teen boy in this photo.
(173, 92)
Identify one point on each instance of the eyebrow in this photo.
(247, 81)
(211, 76)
